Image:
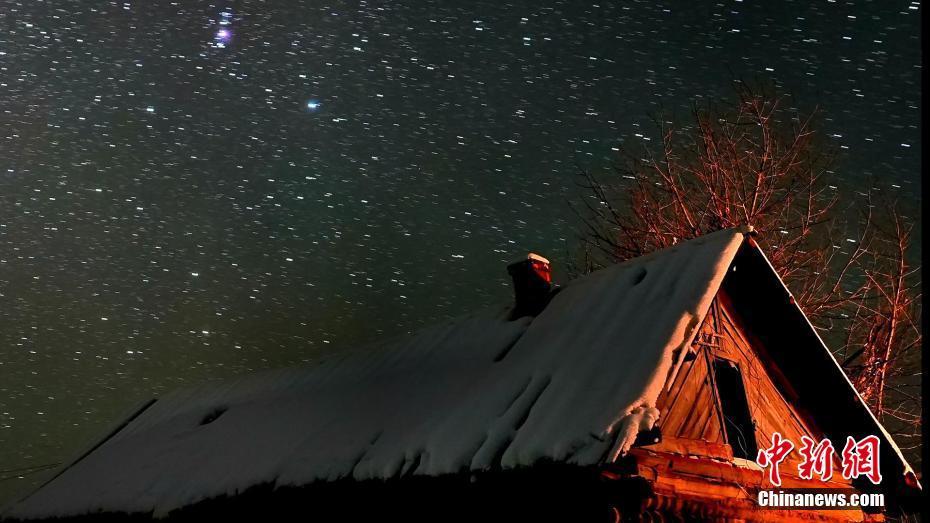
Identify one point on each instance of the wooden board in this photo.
(690, 410)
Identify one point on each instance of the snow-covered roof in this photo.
(570, 385)
(468, 395)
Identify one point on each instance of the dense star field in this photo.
(195, 190)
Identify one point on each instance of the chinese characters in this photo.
(858, 458)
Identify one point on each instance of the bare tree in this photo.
(759, 162)
(883, 338)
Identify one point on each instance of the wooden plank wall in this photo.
(690, 410)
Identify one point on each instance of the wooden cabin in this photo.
(642, 392)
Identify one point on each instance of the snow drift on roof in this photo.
(474, 394)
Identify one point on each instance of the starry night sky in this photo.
(194, 190)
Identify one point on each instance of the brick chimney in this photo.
(532, 285)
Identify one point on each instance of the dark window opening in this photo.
(737, 420)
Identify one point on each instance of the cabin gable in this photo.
(728, 398)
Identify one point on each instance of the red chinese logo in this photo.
(818, 459)
(860, 458)
(772, 457)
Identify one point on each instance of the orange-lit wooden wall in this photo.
(691, 417)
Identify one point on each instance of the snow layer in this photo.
(642, 418)
(575, 385)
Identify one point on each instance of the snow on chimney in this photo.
(532, 284)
